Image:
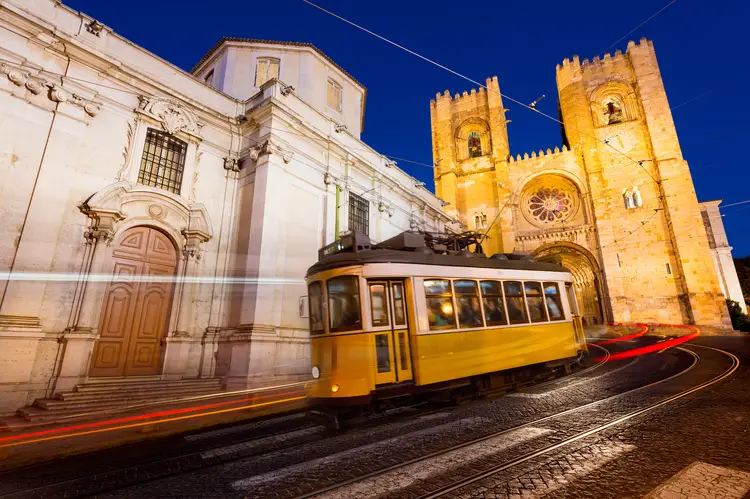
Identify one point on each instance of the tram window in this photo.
(399, 314)
(379, 305)
(343, 304)
(440, 304)
(467, 301)
(382, 353)
(554, 301)
(492, 299)
(402, 351)
(515, 302)
(315, 290)
(536, 301)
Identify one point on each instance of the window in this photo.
(379, 305)
(343, 304)
(669, 270)
(467, 302)
(515, 302)
(554, 301)
(536, 301)
(399, 313)
(315, 290)
(480, 221)
(439, 304)
(475, 145)
(266, 69)
(333, 95)
(359, 214)
(382, 353)
(209, 78)
(612, 110)
(492, 299)
(163, 161)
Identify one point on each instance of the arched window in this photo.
(475, 144)
(613, 110)
(480, 221)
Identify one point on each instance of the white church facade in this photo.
(159, 223)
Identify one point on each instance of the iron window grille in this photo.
(163, 161)
(359, 214)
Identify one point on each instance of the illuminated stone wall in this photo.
(617, 198)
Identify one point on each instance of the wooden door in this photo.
(136, 305)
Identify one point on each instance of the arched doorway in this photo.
(136, 306)
(585, 273)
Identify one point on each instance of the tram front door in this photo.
(391, 332)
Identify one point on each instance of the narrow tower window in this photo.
(333, 96)
(475, 145)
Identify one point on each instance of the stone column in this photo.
(179, 340)
(78, 340)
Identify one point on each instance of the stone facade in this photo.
(615, 204)
(224, 227)
(722, 252)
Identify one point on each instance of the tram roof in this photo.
(417, 256)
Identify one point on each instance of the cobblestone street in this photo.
(598, 433)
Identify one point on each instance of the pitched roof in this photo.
(272, 42)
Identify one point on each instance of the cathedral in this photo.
(615, 204)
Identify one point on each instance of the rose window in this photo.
(550, 200)
(550, 205)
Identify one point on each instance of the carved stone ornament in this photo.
(172, 116)
(231, 164)
(269, 147)
(94, 27)
(57, 94)
(35, 85)
(94, 235)
(157, 211)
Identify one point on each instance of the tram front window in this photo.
(315, 290)
(343, 304)
(467, 301)
(440, 304)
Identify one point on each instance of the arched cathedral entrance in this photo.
(586, 278)
(134, 315)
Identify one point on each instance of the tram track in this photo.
(311, 438)
(525, 457)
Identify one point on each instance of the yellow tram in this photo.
(401, 318)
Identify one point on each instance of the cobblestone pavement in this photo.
(290, 456)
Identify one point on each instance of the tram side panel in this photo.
(447, 355)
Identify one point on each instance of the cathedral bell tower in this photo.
(470, 151)
(650, 237)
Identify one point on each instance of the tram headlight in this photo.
(316, 372)
(335, 388)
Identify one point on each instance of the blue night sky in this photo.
(702, 50)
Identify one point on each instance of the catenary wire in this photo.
(636, 28)
(515, 101)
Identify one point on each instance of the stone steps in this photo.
(110, 397)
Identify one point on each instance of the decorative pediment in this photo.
(127, 201)
(172, 116)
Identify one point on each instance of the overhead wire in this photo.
(636, 28)
(456, 73)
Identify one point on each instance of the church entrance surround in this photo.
(586, 278)
(136, 305)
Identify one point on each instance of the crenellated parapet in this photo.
(541, 155)
(572, 70)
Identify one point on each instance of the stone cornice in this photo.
(567, 234)
(37, 84)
